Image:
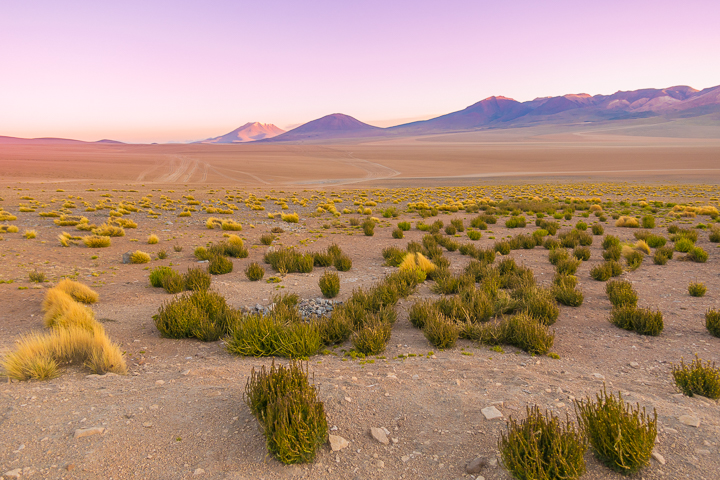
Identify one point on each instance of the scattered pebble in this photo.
(491, 413)
(379, 435)
(86, 432)
(337, 442)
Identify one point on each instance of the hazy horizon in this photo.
(161, 71)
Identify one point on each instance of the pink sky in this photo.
(143, 71)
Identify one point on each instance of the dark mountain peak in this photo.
(333, 126)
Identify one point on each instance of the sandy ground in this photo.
(180, 411)
(535, 153)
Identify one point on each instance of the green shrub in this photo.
(368, 227)
(397, 233)
(612, 253)
(329, 284)
(201, 253)
(697, 289)
(420, 312)
(621, 436)
(715, 235)
(502, 247)
(440, 331)
(516, 222)
(173, 283)
(203, 314)
(684, 245)
(539, 303)
(551, 244)
(601, 272)
(286, 406)
(162, 254)
(526, 333)
(343, 263)
(541, 447)
(458, 224)
(568, 266)
(448, 284)
(267, 239)
(220, 265)
(582, 253)
(621, 292)
(571, 297)
(697, 379)
(582, 226)
(474, 235)
(697, 255)
(557, 255)
(712, 322)
(450, 230)
(655, 241)
(157, 274)
(648, 221)
(372, 338)
(565, 281)
(254, 272)
(404, 226)
(335, 328)
(597, 229)
(197, 278)
(610, 241)
(640, 320)
(633, 259)
(281, 333)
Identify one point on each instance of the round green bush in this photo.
(397, 233)
(343, 263)
(173, 283)
(157, 274)
(254, 272)
(197, 278)
(220, 265)
(329, 284)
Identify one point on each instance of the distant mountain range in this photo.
(250, 132)
(668, 104)
(49, 141)
(503, 112)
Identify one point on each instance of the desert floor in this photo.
(180, 412)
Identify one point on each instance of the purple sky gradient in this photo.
(185, 70)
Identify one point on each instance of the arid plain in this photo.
(180, 413)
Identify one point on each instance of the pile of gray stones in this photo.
(312, 307)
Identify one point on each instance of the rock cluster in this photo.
(313, 307)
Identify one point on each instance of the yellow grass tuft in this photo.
(213, 222)
(235, 240)
(153, 239)
(78, 291)
(107, 230)
(643, 247)
(75, 315)
(630, 222)
(56, 302)
(408, 262)
(412, 261)
(231, 225)
(426, 265)
(30, 234)
(290, 217)
(96, 241)
(139, 257)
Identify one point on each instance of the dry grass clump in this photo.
(621, 436)
(697, 379)
(541, 447)
(107, 230)
(30, 234)
(138, 257)
(37, 277)
(78, 291)
(152, 239)
(286, 406)
(290, 217)
(76, 338)
(231, 225)
(96, 241)
(628, 222)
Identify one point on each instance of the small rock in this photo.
(405, 458)
(660, 459)
(126, 257)
(337, 442)
(70, 467)
(147, 424)
(86, 432)
(634, 365)
(198, 471)
(348, 399)
(689, 420)
(13, 473)
(491, 413)
(160, 382)
(475, 465)
(599, 376)
(379, 435)
(379, 464)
